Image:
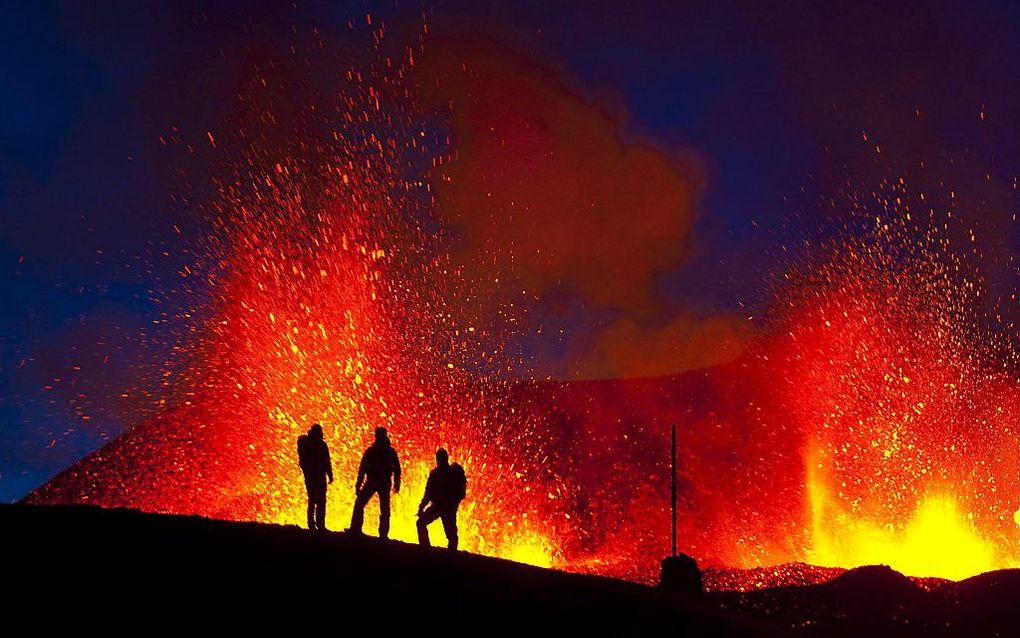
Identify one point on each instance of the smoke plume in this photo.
(550, 206)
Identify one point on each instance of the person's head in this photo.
(315, 431)
(381, 436)
(442, 458)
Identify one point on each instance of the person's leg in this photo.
(430, 514)
(310, 490)
(320, 510)
(358, 516)
(450, 527)
(384, 511)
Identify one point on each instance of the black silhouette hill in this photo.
(878, 601)
(81, 569)
(73, 570)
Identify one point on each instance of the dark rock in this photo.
(680, 574)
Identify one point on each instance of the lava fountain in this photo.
(322, 300)
(907, 396)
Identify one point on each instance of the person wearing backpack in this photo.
(445, 489)
(313, 457)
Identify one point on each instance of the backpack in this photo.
(458, 482)
(303, 453)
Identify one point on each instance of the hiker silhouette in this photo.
(378, 465)
(445, 489)
(313, 457)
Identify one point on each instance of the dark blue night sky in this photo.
(774, 100)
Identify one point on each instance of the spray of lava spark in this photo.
(875, 422)
(324, 301)
(906, 392)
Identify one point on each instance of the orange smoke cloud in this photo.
(543, 192)
(544, 199)
(628, 348)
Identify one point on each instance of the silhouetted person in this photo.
(445, 489)
(379, 465)
(313, 457)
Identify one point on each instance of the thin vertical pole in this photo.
(672, 497)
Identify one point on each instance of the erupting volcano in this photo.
(871, 420)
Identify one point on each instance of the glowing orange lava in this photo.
(936, 540)
(908, 399)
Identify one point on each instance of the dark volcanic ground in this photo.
(74, 569)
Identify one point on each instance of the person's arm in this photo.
(427, 496)
(361, 472)
(329, 463)
(396, 472)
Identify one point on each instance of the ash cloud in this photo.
(549, 206)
